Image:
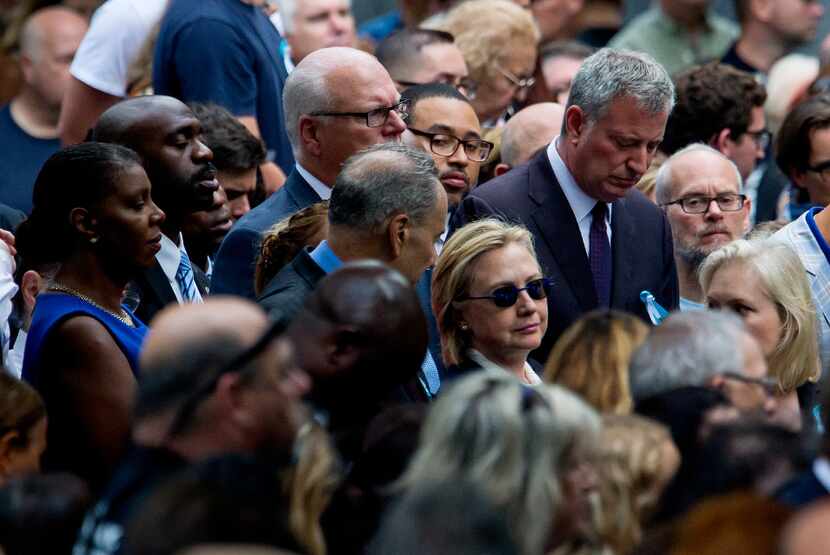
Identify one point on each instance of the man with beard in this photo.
(700, 190)
(168, 137)
(443, 123)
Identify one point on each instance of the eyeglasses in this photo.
(700, 205)
(477, 150)
(770, 386)
(761, 138)
(507, 295)
(521, 82)
(465, 85)
(241, 361)
(822, 168)
(374, 118)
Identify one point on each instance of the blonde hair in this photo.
(309, 485)
(284, 240)
(486, 31)
(453, 275)
(591, 358)
(632, 475)
(511, 440)
(795, 359)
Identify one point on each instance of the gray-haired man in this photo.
(598, 238)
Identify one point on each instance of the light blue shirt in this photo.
(686, 305)
(325, 257)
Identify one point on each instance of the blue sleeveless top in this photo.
(52, 308)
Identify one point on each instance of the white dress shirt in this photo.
(168, 258)
(322, 190)
(581, 204)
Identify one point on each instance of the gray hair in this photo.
(287, 11)
(687, 349)
(380, 181)
(663, 181)
(513, 441)
(611, 73)
(305, 91)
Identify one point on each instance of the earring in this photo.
(93, 240)
(464, 326)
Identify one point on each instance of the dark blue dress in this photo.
(52, 308)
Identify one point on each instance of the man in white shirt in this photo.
(168, 137)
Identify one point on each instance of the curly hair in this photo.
(283, 241)
(711, 97)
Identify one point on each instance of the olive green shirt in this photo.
(655, 33)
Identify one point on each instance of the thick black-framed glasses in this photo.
(520, 82)
(507, 295)
(374, 118)
(465, 85)
(729, 202)
(477, 150)
(239, 363)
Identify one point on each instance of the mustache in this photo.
(207, 173)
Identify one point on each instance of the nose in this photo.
(459, 157)
(394, 125)
(202, 152)
(639, 161)
(339, 23)
(521, 94)
(770, 405)
(525, 303)
(158, 216)
(714, 212)
(241, 207)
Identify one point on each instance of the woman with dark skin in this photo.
(94, 216)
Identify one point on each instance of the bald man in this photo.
(337, 102)
(29, 124)
(196, 400)
(527, 132)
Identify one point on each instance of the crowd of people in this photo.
(473, 277)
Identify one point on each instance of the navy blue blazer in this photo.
(233, 268)
(641, 244)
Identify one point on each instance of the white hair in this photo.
(287, 11)
(663, 180)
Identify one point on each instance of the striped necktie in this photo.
(184, 278)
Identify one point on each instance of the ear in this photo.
(26, 66)
(398, 234)
(228, 400)
(343, 351)
(84, 223)
(747, 211)
(722, 142)
(30, 286)
(501, 169)
(6, 449)
(309, 135)
(575, 123)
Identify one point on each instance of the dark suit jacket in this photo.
(154, 291)
(643, 256)
(285, 294)
(233, 268)
(424, 290)
(802, 490)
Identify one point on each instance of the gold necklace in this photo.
(123, 317)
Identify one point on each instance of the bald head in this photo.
(179, 327)
(530, 130)
(369, 315)
(807, 530)
(125, 122)
(48, 41)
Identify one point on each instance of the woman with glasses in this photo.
(498, 40)
(489, 298)
(93, 216)
(764, 282)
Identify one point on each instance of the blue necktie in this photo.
(184, 278)
(431, 377)
(599, 254)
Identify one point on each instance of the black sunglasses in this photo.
(507, 295)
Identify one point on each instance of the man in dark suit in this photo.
(337, 101)
(167, 136)
(597, 237)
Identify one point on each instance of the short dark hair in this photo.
(565, 48)
(76, 176)
(400, 49)
(235, 149)
(417, 93)
(792, 145)
(711, 97)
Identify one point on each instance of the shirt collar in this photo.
(325, 257)
(581, 204)
(322, 190)
(169, 256)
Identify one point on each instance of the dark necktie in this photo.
(599, 253)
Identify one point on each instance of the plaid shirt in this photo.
(800, 237)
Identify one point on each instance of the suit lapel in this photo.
(159, 285)
(298, 190)
(557, 228)
(623, 238)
